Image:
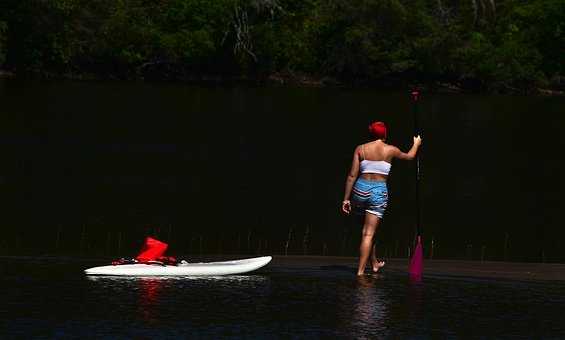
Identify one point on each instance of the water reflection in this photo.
(408, 310)
(152, 299)
(415, 279)
(370, 310)
(286, 303)
(415, 296)
(242, 279)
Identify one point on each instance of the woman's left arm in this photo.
(351, 177)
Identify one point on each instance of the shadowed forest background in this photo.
(91, 167)
(479, 45)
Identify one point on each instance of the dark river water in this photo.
(52, 299)
(93, 167)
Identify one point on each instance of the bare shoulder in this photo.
(363, 147)
(358, 149)
(391, 150)
(390, 147)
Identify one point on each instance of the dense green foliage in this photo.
(484, 44)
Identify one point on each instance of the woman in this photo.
(366, 185)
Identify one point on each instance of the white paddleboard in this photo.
(183, 269)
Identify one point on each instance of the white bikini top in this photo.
(373, 167)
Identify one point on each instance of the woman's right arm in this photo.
(351, 177)
(410, 154)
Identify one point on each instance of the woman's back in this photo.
(376, 151)
(374, 159)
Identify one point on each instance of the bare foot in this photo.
(377, 265)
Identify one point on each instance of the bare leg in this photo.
(369, 228)
(374, 261)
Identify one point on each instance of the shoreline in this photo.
(4, 74)
(487, 270)
(291, 80)
(519, 271)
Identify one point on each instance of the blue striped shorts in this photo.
(370, 197)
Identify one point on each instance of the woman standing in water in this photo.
(366, 185)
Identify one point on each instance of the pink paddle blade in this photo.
(417, 262)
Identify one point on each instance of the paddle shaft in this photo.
(416, 98)
(416, 262)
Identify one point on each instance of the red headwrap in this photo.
(378, 130)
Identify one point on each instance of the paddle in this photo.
(416, 263)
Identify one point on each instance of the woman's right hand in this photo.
(417, 140)
(346, 206)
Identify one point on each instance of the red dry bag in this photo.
(152, 250)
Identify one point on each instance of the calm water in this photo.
(52, 299)
(93, 167)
